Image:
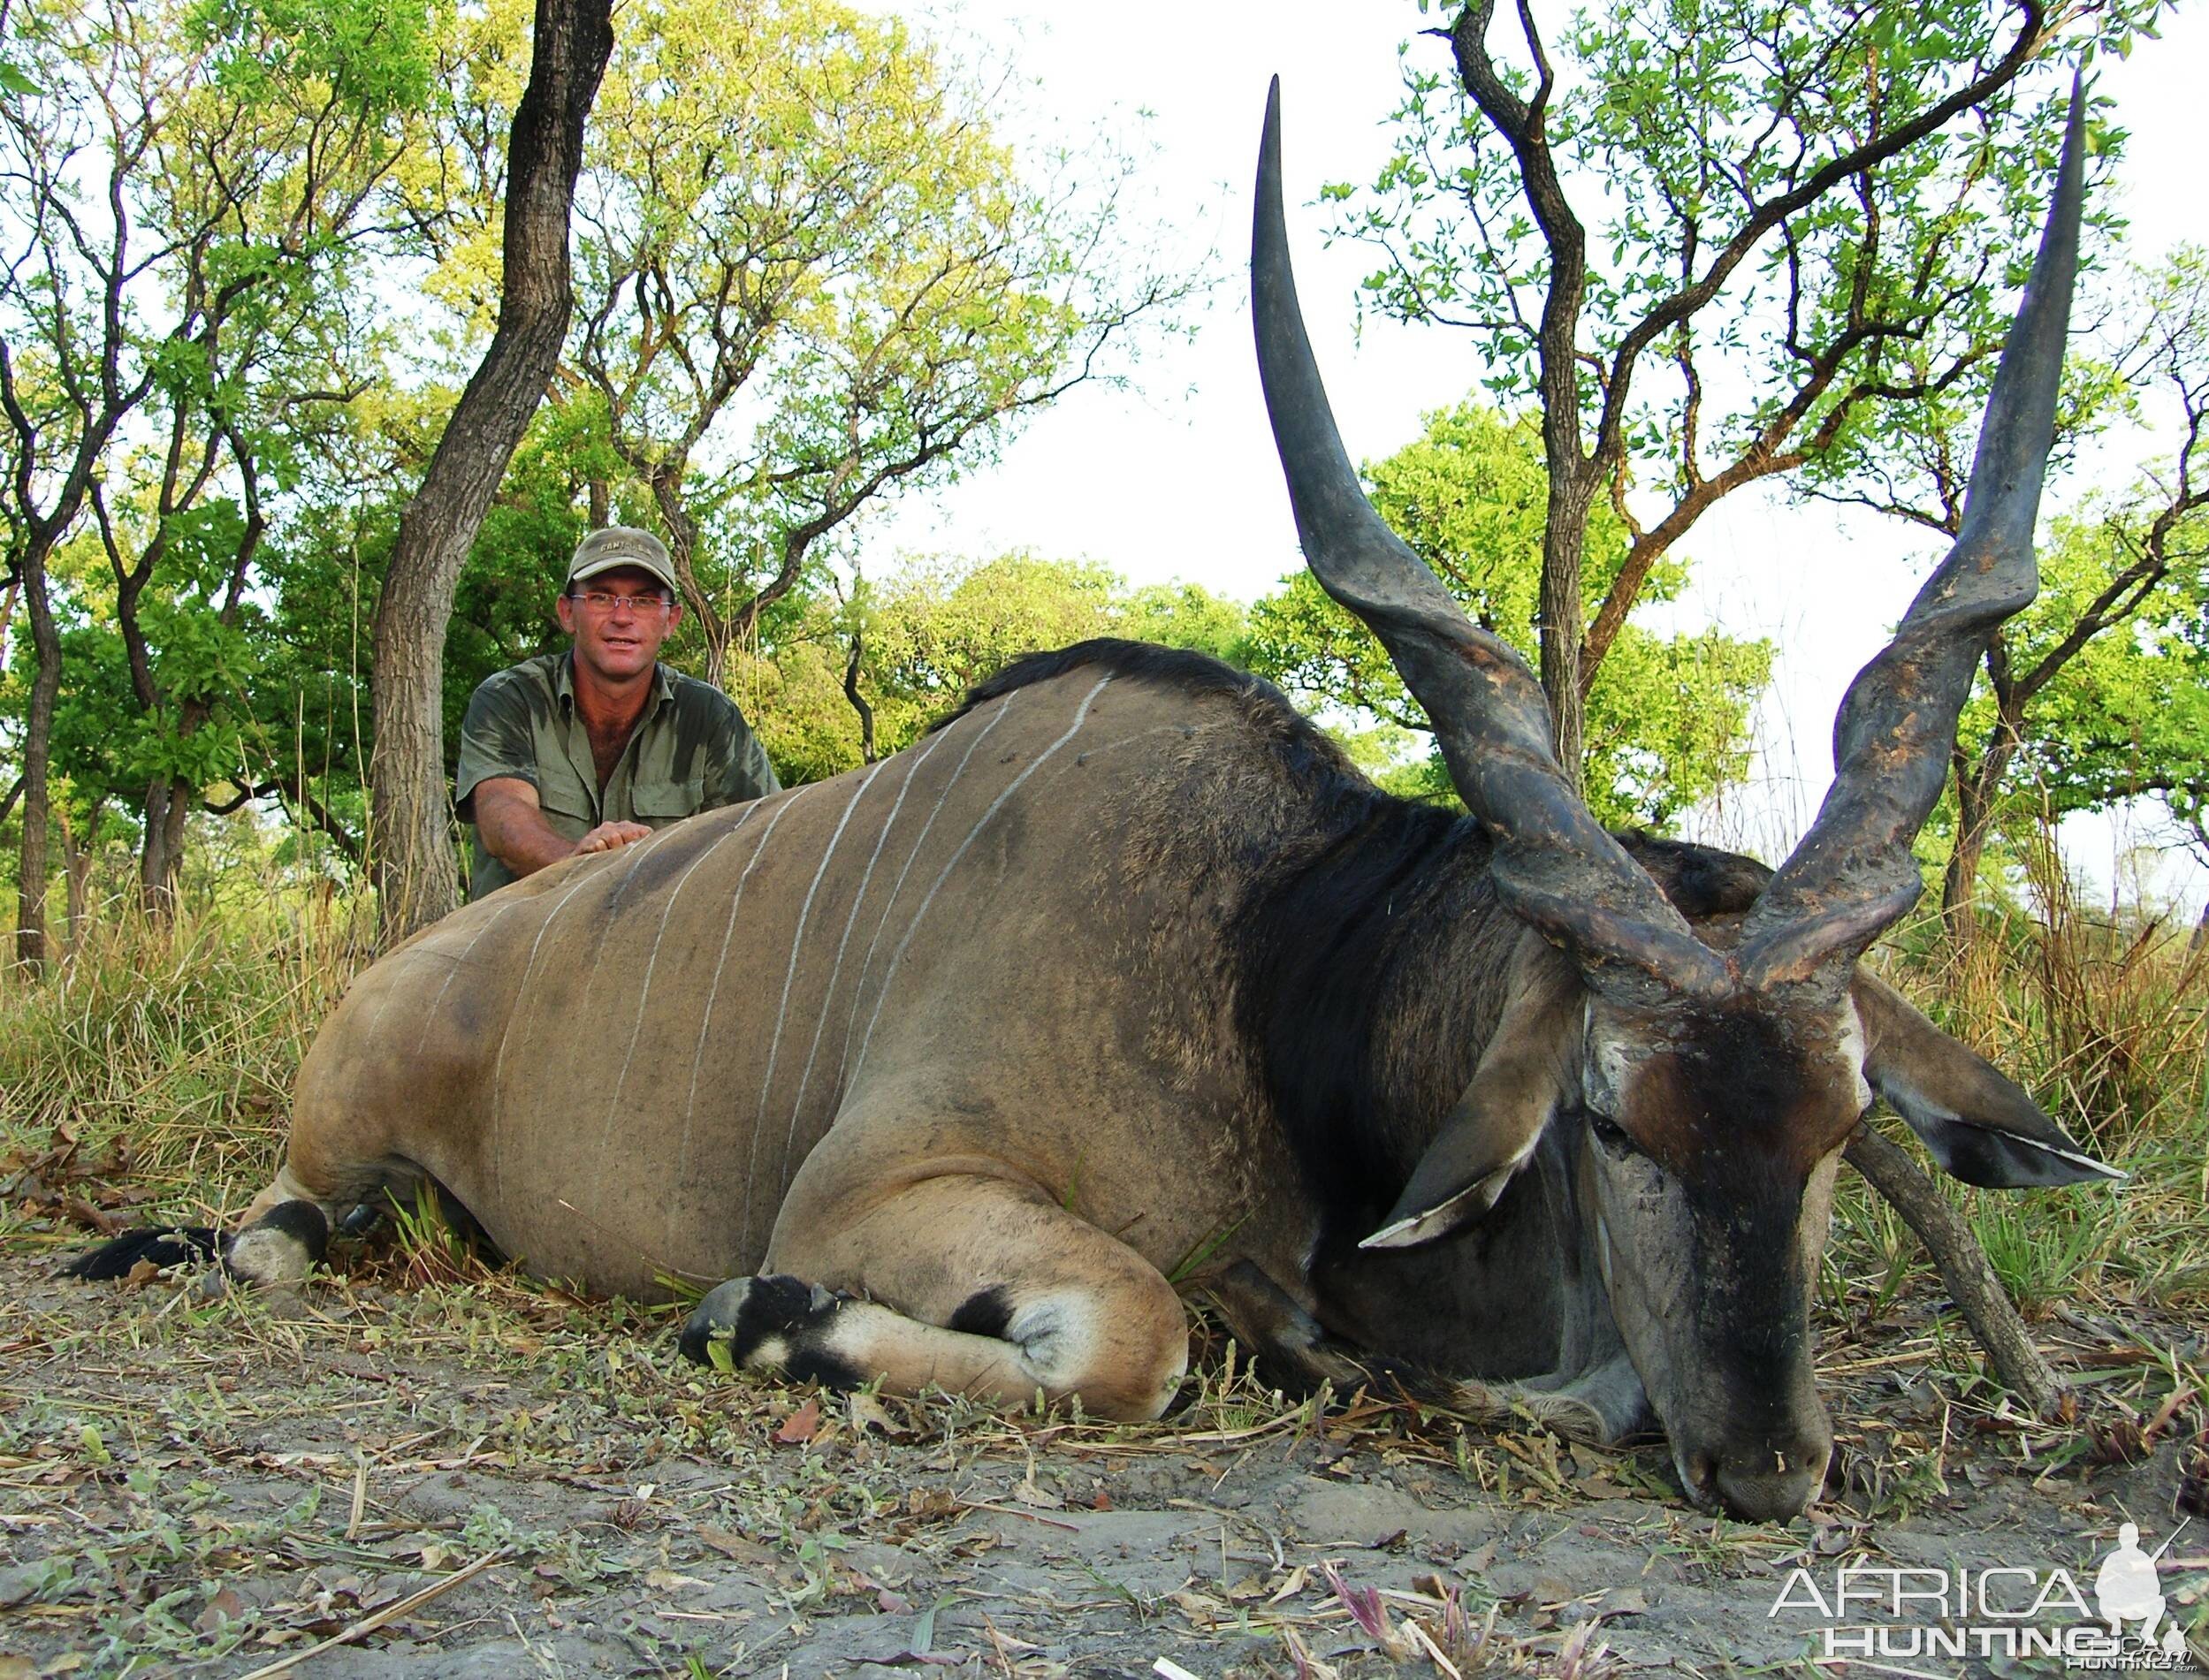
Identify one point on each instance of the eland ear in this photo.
(1979, 1126)
(1494, 1129)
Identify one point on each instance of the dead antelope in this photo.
(950, 1064)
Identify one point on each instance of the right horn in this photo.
(1554, 865)
(1852, 874)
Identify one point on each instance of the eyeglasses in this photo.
(607, 601)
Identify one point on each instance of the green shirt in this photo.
(691, 751)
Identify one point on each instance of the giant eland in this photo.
(950, 1070)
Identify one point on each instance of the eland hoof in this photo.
(748, 1322)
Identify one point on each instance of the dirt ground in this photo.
(468, 1477)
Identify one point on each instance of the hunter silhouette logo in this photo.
(2000, 1611)
(2128, 1589)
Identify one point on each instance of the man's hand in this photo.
(514, 831)
(610, 837)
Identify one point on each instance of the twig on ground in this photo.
(392, 1612)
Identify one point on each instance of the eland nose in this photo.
(1773, 1484)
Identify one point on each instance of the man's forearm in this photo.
(515, 832)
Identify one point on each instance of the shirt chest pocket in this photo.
(657, 803)
(567, 804)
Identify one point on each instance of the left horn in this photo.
(1554, 864)
(1852, 874)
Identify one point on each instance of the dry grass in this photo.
(2107, 1025)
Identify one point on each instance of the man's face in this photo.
(619, 640)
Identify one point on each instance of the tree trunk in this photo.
(1563, 614)
(153, 866)
(1960, 881)
(77, 857)
(38, 736)
(1972, 1285)
(858, 701)
(168, 806)
(416, 875)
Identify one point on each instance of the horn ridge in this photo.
(1554, 864)
(1852, 874)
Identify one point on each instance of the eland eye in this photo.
(1610, 1134)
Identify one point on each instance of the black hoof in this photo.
(742, 1315)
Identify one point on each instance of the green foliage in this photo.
(372, 54)
(244, 155)
(1716, 242)
(1668, 718)
(812, 276)
(2092, 695)
(2129, 716)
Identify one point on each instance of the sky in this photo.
(1176, 477)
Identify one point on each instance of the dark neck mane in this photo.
(1362, 996)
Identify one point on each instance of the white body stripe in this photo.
(858, 897)
(1081, 714)
(789, 974)
(499, 1063)
(713, 991)
(645, 992)
(898, 886)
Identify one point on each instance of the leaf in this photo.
(225, 1606)
(801, 1426)
(34, 1583)
(866, 1412)
(735, 1546)
(925, 1626)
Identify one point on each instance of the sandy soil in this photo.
(473, 1480)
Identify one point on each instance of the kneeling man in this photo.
(589, 749)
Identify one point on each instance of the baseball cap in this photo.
(619, 545)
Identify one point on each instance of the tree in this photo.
(2128, 717)
(1803, 192)
(183, 177)
(1667, 719)
(416, 875)
(927, 635)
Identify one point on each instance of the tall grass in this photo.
(2106, 1022)
(177, 1045)
(167, 1052)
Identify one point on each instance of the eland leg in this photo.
(978, 1285)
(285, 1232)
